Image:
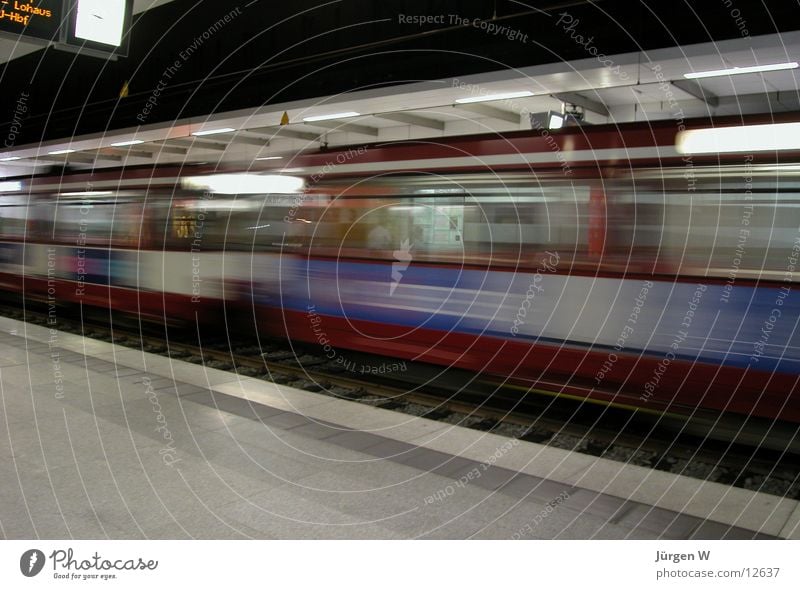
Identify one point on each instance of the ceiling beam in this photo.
(758, 102)
(409, 119)
(198, 144)
(580, 100)
(346, 127)
(125, 152)
(286, 133)
(103, 156)
(24, 161)
(490, 111)
(67, 158)
(246, 139)
(162, 147)
(693, 88)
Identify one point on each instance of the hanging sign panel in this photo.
(99, 24)
(35, 19)
(92, 27)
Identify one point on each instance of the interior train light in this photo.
(488, 97)
(742, 70)
(223, 205)
(338, 115)
(87, 193)
(245, 183)
(213, 131)
(10, 186)
(127, 143)
(61, 151)
(772, 137)
(270, 157)
(13, 158)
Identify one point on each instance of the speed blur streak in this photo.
(613, 267)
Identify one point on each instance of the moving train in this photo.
(648, 265)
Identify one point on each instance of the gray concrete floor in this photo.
(122, 453)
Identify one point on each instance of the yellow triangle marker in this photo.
(285, 119)
(123, 93)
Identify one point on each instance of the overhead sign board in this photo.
(38, 19)
(99, 24)
(93, 27)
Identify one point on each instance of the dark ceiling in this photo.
(270, 52)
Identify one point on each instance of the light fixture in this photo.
(488, 97)
(101, 21)
(546, 120)
(213, 131)
(126, 143)
(771, 137)
(338, 115)
(61, 151)
(270, 157)
(743, 70)
(87, 193)
(12, 158)
(10, 186)
(245, 183)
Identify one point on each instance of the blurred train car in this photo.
(631, 264)
(628, 264)
(128, 240)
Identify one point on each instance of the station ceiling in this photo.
(628, 67)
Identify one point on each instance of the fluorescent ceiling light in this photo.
(126, 143)
(772, 137)
(10, 186)
(270, 157)
(338, 115)
(60, 151)
(13, 158)
(743, 70)
(87, 193)
(100, 21)
(213, 131)
(245, 183)
(488, 97)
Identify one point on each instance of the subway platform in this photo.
(102, 441)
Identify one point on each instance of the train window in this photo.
(115, 222)
(242, 223)
(471, 218)
(14, 216)
(259, 223)
(734, 221)
(13, 220)
(189, 223)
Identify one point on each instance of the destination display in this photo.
(92, 27)
(39, 19)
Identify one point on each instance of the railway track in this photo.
(727, 449)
